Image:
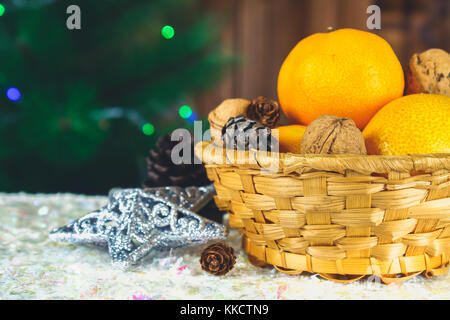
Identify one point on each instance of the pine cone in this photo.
(264, 111)
(218, 259)
(242, 134)
(161, 171)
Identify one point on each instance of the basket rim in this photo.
(212, 154)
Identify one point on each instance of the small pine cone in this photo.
(161, 171)
(218, 259)
(243, 134)
(264, 111)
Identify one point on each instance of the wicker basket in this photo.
(340, 216)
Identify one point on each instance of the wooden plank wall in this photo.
(262, 32)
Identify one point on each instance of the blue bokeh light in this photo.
(192, 117)
(13, 94)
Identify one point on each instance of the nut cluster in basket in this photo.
(362, 180)
(250, 126)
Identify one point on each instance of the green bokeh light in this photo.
(148, 129)
(2, 9)
(185, 111)
(168, 32)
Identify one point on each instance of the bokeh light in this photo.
(2, 9)
(13, 94)
(148, 129)
(185, 111)
(193, 117)
(168, 32)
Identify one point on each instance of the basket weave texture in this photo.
(341, 216)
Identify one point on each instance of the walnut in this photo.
(331, 134)
(227, 109)
(429, 72)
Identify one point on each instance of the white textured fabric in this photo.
(32, 267)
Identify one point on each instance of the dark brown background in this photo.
(262, 32)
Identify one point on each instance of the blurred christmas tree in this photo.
(81, 108)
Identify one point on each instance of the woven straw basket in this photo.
(340, 216)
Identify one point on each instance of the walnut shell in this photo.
(227, 109)
(331, 134)
(429, 72)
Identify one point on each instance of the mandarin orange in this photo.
(347, 73)
(290, 137)
(413, 124)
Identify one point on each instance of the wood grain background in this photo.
(262, 32)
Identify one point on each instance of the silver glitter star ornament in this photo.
(137, 221)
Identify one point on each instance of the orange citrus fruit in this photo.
(414, 124)
(290, 137)
(347, 73)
